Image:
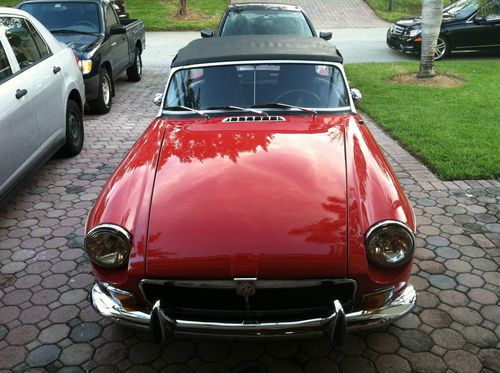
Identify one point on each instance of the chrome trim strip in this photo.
(319, 110)
(476, 47)
(401, 304)
(112, 227)
(386, 223)
(471, 18)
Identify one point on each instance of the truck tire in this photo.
(102, 104)
(74, 130)
(134, 72)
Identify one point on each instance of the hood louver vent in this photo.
(268, 118)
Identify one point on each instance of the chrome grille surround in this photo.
(273, 300)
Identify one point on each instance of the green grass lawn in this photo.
(455, 131)
(401, 8)
(160, 14)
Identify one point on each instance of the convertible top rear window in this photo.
(305, 85)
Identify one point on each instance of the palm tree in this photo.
(432, 15)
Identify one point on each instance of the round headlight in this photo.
(389, 244)
(108, 245)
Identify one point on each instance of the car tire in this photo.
(102, 104)
(442, 48)
(74, 130)
(134, 72)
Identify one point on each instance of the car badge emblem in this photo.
(245, 287)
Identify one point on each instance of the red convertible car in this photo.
(257, 203)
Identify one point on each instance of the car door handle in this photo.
(21, 93)
(56, 69)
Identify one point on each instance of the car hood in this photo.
(80, 43)
(417, 21)
(250, 200)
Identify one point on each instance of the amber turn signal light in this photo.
(377, 299)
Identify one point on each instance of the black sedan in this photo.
(464, 28)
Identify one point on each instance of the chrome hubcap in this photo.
(106, 90)
(440, 48)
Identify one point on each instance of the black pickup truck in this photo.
(105, 44)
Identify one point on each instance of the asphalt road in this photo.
(356, 45)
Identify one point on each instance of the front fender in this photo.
(125, 201)
(374, 194)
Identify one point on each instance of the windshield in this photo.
(304, 85)
(69, 16)
(265, 21)
(461, 8)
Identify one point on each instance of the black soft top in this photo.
(246, 48)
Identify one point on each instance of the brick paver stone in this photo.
(47, 322)
(335, 13)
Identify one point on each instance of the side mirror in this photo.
(325, 35)
(478, 20)
(206, 33)
(356, 95)
(158, 99)
(117, 30)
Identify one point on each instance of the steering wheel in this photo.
(86, 23)
(303, 93)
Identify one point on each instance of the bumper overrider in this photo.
(335, 325)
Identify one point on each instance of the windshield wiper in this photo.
(185, 108)
(258, 112)
(286, 106)
(69, 31)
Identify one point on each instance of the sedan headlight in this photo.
(389, 244)
(414, 32)
(108, 245)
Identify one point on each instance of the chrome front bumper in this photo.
(164, 326)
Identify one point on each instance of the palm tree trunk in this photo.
(432, 15)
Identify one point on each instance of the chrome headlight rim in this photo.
(384, 226)
(114, 229)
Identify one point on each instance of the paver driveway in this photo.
(334, 13)
(46, 320)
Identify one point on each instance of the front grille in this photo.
(273, 301)
(397, 30)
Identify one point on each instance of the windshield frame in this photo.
(351, 108)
